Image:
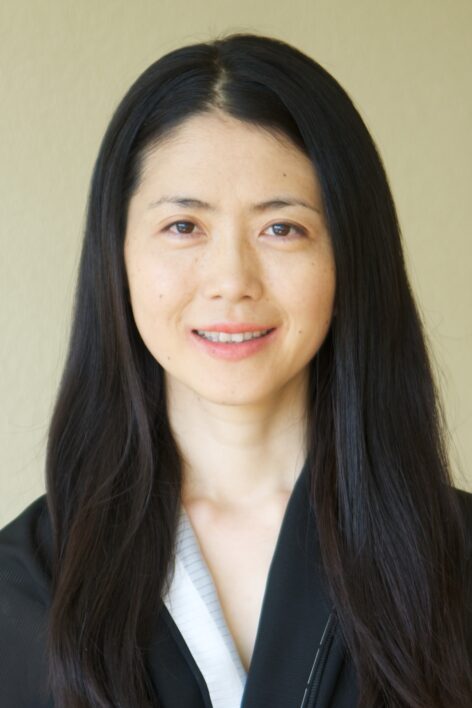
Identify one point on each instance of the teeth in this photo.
(236, 337)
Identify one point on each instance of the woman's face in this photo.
(202, 251)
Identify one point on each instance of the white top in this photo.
(194, 605)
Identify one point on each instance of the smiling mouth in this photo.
(232, 338)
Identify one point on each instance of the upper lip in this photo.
(232, 327)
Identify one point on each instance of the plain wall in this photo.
(64, 67)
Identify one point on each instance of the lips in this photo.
(233, 327)
(233, 351)
(259, 336)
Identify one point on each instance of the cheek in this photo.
(313, 302)
(155, 290)
(152, 281)
(155, 308)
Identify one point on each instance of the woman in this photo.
(248, 498)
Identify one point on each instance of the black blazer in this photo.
(299, 658)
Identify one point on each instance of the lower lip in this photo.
(233, 351)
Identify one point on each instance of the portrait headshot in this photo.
(237, 471)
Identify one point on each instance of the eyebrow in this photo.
(275, 203)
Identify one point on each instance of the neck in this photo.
(238, 455)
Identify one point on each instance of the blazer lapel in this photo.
(176, 677)
(294, 614)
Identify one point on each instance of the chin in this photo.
(234, 396)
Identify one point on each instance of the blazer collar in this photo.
(294, 614)
(294, 611)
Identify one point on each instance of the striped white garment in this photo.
(194, 605)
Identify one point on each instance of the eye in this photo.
(186, 225)
(297, 229)
(279, 226)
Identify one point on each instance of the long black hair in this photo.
(391, 529)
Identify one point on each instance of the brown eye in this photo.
(186, 224)
(282, 229)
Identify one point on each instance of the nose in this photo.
(232, 270)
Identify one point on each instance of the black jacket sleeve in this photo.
(24, 598)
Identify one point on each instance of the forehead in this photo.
(215, 146)
(215, 124)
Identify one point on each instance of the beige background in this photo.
(64, 66)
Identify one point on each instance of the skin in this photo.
(240, 424)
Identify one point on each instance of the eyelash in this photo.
(298, 229)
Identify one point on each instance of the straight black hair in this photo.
(390, 524)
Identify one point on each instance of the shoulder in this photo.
(25, 547)
(464, 499)
(24, 600)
